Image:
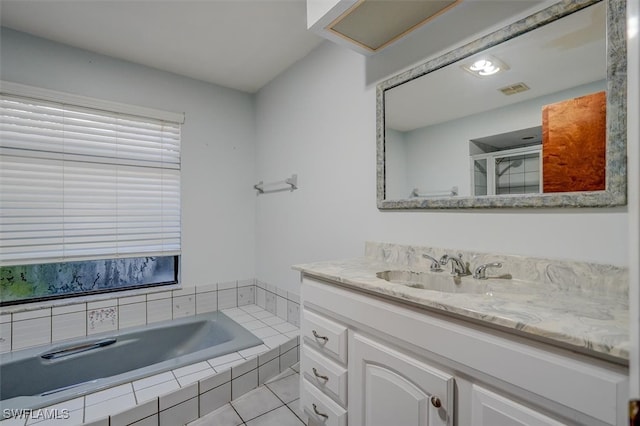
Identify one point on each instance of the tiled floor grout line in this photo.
(285, 404)
(234, 409)
(294, 413)
(261, 414)
(280, 399)
(273, 409)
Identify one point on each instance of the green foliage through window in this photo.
(28, 283)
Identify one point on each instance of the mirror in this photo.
(532, 115)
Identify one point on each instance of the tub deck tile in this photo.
(170, 399)
(243, 318)
(157, 390)
(97, 411)
(275, 341)
(224, 359)
(244, 367)
(265, 332)
(135, 414)
(102, 396)
(214, 381)
(74, 418)
(195, 377)
(229, 365)
(153, 380)
(251, 308)
(256, 350)
(190, 369)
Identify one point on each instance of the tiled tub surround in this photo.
(184, 394)
(87, 365)
(35, 324)
(580, 306)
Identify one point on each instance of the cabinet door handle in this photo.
(319, 337)
(435, 401)
(315, 410)
(320, 376)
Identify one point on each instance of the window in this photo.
(83, 180)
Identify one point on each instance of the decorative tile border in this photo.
(28, 325)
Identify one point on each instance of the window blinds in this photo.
(83, 183)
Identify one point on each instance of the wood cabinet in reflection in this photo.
(574, 144)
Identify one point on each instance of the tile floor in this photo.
(276, 403)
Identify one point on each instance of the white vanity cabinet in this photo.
(392, 388)
(491, 409)
(323, 372)
(384, 362)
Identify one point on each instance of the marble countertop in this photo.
(595, 323)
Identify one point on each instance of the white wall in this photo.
(218, 151)
(395, 156)
(317, 119)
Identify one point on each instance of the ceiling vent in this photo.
(374, 24)
(514, 88)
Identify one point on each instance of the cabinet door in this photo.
(490, 409)
(388, 387)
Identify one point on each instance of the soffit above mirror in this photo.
(395, 34)
(373, 25)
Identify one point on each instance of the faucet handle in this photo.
(435, 264)
(480, 273)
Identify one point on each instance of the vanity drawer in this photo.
(325, 374)
(320, 408)
(326, 335)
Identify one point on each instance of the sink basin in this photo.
(434, 282)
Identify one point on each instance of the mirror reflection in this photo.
(525, 117)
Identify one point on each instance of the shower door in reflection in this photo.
(514, 171)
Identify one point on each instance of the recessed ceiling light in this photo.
(485, 66)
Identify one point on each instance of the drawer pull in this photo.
(435, 401)
(315, 410)
(319, 337)
(320, 376)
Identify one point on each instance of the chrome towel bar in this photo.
(452, 192)
(292, 184)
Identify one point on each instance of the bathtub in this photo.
(39, 377)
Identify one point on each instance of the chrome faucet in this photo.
(458, 267)
(435, 264)
(480, 273)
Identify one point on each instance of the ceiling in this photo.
(566, 53)
(241, 44)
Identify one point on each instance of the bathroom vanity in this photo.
(553, 350)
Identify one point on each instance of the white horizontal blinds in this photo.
(81, 183)
(31, 209)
